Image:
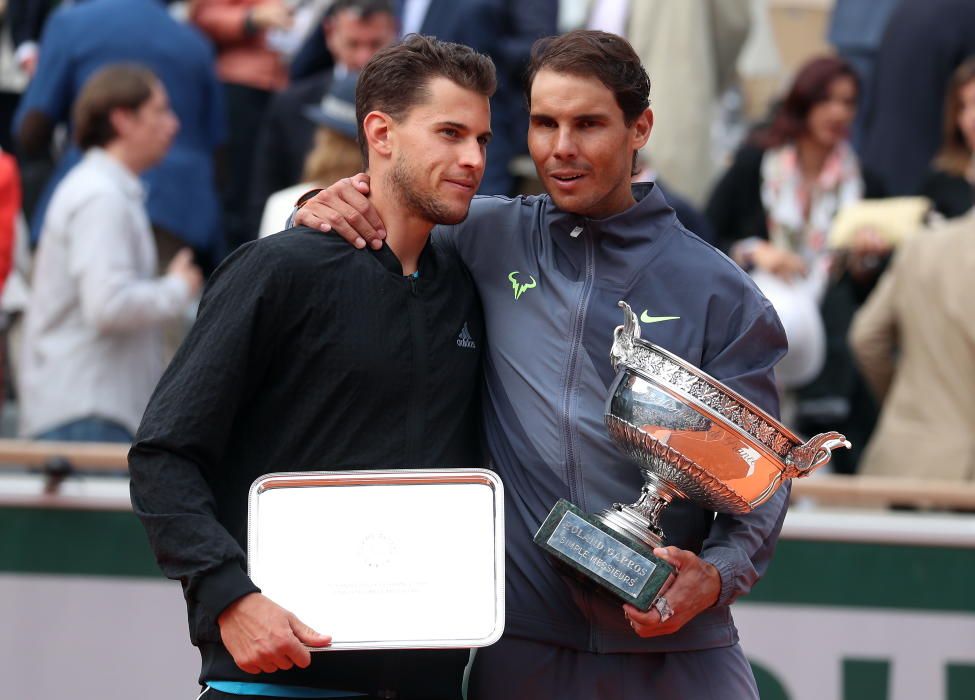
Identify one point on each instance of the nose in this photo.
(472, 155)
(565, 148)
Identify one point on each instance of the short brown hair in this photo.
(589, 53)
(118, 86)
(955, 155)
(396, 79)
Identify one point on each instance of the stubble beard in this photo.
(402, 179)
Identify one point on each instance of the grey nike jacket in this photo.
(549, 283)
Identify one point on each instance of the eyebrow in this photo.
(598, 116)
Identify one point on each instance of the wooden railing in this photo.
(885, 491)
(59, 460)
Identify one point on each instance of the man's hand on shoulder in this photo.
(345, 208)
(695, 588)
(263, 636)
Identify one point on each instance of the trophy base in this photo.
(618, 563)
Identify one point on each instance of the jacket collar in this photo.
(622, 242)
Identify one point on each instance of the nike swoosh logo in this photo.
(656, 319)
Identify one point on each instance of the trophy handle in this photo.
(804, 459)
(624, 336)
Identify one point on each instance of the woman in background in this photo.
(951, 183)
(772, 212)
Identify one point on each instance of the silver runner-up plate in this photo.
(383, 559)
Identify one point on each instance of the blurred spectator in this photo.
(251, 72)
(26, 19)
(10, 201)
(707, 35)
(856, 28)
(772, 211)
(18, 56)
(925, 41)
(951, 183)
(92, 340)
(504, 30)
(354, 30)
(914, 339)
(335, 155)
(78, 40)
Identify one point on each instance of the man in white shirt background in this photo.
(93, 347)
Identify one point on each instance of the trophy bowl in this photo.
(692, 438)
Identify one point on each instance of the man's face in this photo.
(352, 41)
(582, 148)
(439, 152)
(148, 131)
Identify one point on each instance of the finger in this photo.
(306, 635)
(325, 218)
(674, 556)
(309, 215)
(361, 182)
(267, 665)
(347, 220)
(346, 192)
(640, 618)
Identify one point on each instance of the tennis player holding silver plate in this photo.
(693, 438)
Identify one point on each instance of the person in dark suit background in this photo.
(925, 41)
(502, 29)
(352, 32)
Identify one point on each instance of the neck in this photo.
(117, 152)
(406, 233)
(812, 156)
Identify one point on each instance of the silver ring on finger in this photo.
(663, 607)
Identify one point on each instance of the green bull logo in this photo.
(518, 286)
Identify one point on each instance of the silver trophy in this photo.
(693, 438)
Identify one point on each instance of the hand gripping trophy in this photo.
(693, 438)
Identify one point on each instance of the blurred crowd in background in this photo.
(825, 146)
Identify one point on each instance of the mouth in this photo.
(567, 176)
(464, 185)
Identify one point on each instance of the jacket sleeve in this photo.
(741, 546)
(178, 451)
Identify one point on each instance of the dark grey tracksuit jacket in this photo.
(549, 284)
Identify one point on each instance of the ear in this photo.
(378, 130)
(121, 120)
(642, 128)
